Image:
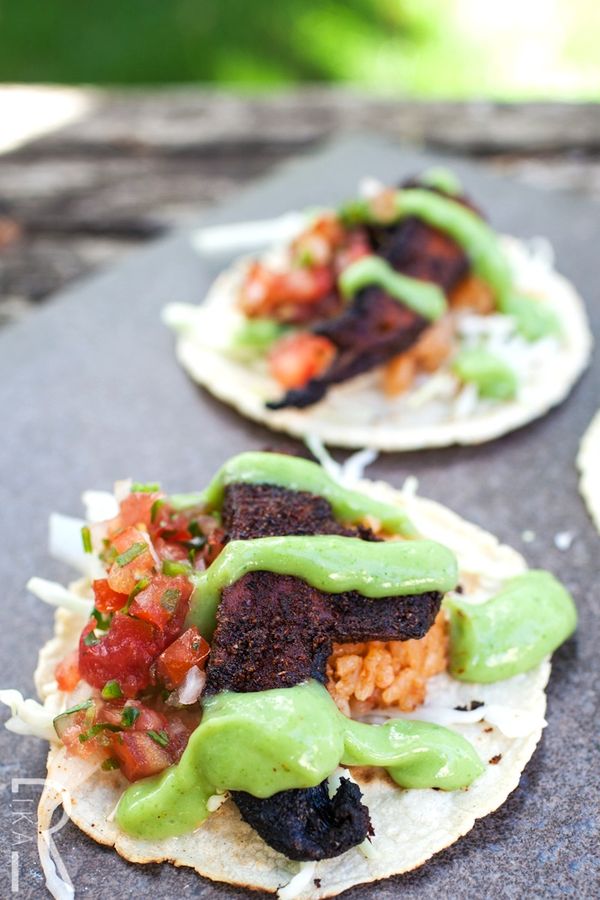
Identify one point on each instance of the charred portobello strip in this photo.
(277, 631)
(266, 510)
(307, 824)
(374, 328)
(420, 251)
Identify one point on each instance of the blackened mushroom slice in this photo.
(374, 328)
(308, 824)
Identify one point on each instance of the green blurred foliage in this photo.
(430, 48)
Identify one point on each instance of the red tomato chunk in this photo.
(107, 600)
(67, 672)
(138, 754)
(190, 649)
(124, 654)
(164, 602)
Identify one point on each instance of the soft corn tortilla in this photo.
(410, 825)
(588, 463)
(357, 413)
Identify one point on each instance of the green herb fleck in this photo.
(155, 509)
(86, 538)
(87, 704)
(129, 716)
(132, 553)
(174, 567)
(102, 621)
(170, 599)
(97, 729)
(139, 487)
(91, 639)
(160, 737)
(109, 764)
(111, 690)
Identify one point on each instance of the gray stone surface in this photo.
(90, 392)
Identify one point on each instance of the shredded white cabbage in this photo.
(248, 235)
(348, 473)
(99, 505)
(28, 716)
(297, 884)
(512, 722)
(55, 594)
(216, 800)
(65, 545)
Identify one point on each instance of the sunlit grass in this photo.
(501, 49)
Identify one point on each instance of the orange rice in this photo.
(387, 673)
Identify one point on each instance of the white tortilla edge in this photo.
(241, 387)
(411, 826)
(588, 463)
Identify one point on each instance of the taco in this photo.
(587, 463)
(286, 681)
(399, 321)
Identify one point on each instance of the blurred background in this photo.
(121, 119)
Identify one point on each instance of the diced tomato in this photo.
(67, 672)
(179, 728)
(163, 602)
(355, 248)
(265, 291)
(123, 576)
(124, 654)
(214, 545)
(136, 508)
(171, 549)
(147, 719)
(106, 600)
(190, 649)
(294, 360)
(138, 754)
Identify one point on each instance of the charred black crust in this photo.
(307, 824)
(372, 329)
(266, 510)
(277, 631)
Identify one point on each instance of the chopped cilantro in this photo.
(160, 737)
(86, 538)
(138, 487)
(109, 764)
(170, 599)
(90, 640)
(102, 621)
(96, 729)
(155, 509)
(132, 553)
(112, 690)
(129, 716)
(173, 567)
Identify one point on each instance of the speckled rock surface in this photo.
(90, 392)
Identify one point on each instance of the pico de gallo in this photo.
(144, 666)
(382, 283)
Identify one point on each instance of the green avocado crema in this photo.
(493, 377)
(298, 475)
(512, 632)
(276, 740)
(330, 563)
(483, 248)
(424, 298)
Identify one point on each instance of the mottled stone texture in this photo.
(90, 392)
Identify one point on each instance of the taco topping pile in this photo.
(231, 622)
(383, 282)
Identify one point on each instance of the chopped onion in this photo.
(28, 716)
(296, 885)
(99, 505)
(65, 544)
(192, 686)
(55, 594)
